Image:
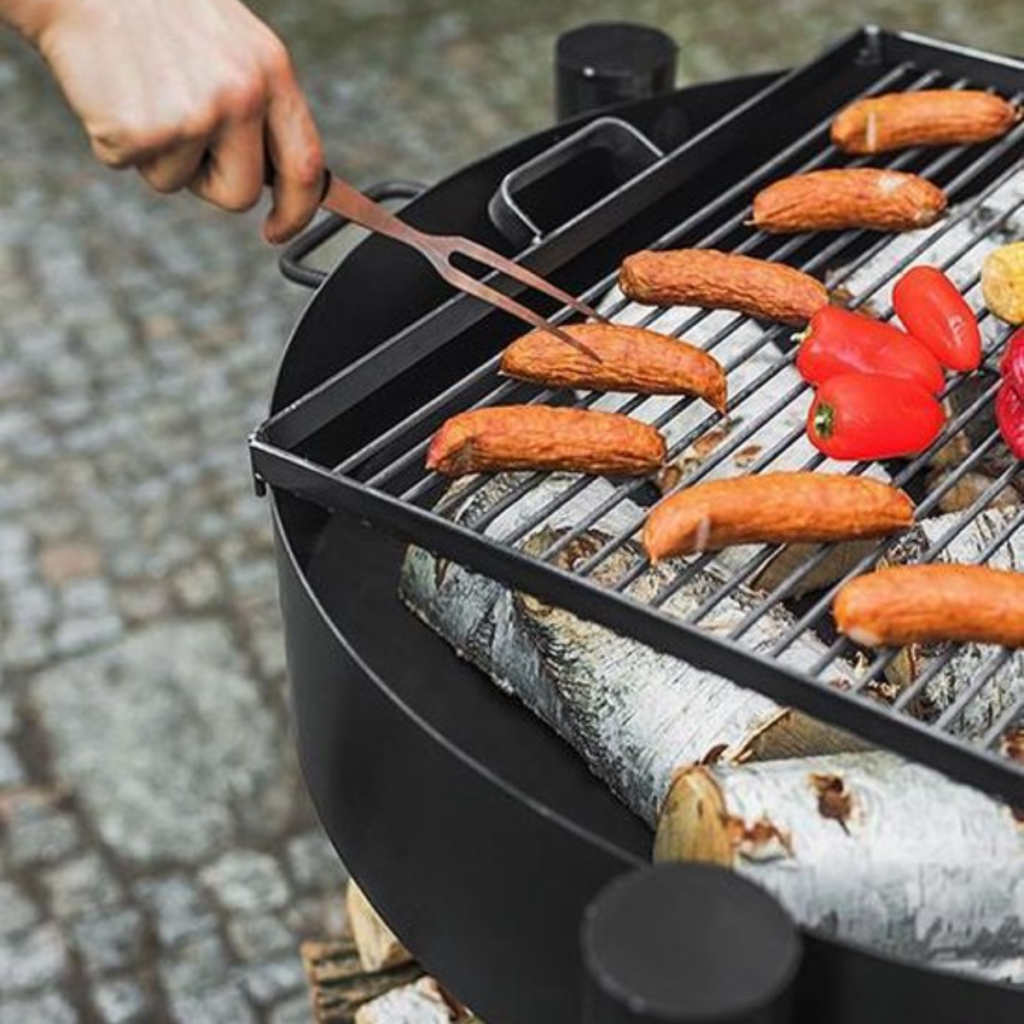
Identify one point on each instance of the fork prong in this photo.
(490, 258)
(466, 283)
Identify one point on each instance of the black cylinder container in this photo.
(605, 63)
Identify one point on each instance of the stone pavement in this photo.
(158, 858)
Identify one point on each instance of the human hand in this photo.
(191, 93)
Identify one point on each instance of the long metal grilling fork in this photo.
(341, 198)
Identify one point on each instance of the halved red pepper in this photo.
(1011, 366)
(867, 416)
(934, 312)
(1010, 417)
(840, 341)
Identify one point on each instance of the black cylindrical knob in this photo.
(611, 62)
(687, 943)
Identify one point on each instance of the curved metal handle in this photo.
(291, 260)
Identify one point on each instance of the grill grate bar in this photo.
(847, 240)
(911, 693)
(594, 293)
(631, 488)
(825, 601)
(964, 711)
(992, 666)
(1002, 725)
(782, 590)
(819, 552)
(884, 658)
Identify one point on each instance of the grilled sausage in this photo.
(926, 603)
(632, 359)
(540, 437)
(718, 280)
(931, 117)
(774, 508)
(856, 197)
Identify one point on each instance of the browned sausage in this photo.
(541, 437)
(774, 508)
(856, 197)
(719, 280)
(925, 603)
(632, 359)
(931, 117)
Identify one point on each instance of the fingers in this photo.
(231, 176)
(173, 169)
(295, 150)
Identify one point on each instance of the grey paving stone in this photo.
(8, 715)
(314, 863)
(24, 648)
(80, 886)
(121, 1001)
(109, 942)
(37, 833)
(294, 1010)
(246, 881)
(199, 585)
(17, 911)
(32, 605)
(49, 1008)
(267, 983)
(32, 959)
(197, 965)
(11, 770)
(219, 747)
(257, 937)
(178, 908)
(215, 1006)
(76, 635)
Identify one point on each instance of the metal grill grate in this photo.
(385, 480)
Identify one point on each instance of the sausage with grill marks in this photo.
(855, 197)
(631, 359)
(926, 603)
(774, 508)
(930, 117)
(543, 438)
(719, 280)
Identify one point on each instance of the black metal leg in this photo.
(687, 943)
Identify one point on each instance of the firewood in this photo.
(422, 1002)
(637, 715)
(339, 984)
(866, 847)
(378, 945)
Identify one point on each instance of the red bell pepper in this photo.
(1010, 417)
(1011, 366)
(934, 312)
(839, 341)
(866, 416)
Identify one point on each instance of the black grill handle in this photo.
(291, 260)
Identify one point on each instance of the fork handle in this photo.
(347, 201)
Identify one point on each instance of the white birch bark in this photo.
(866, 847)
(635, 715)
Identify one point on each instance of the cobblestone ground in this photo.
(158, 858)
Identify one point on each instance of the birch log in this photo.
(379, 947)
(1007, 685)
(866, 847)
(422, 1002)
(635, 715)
